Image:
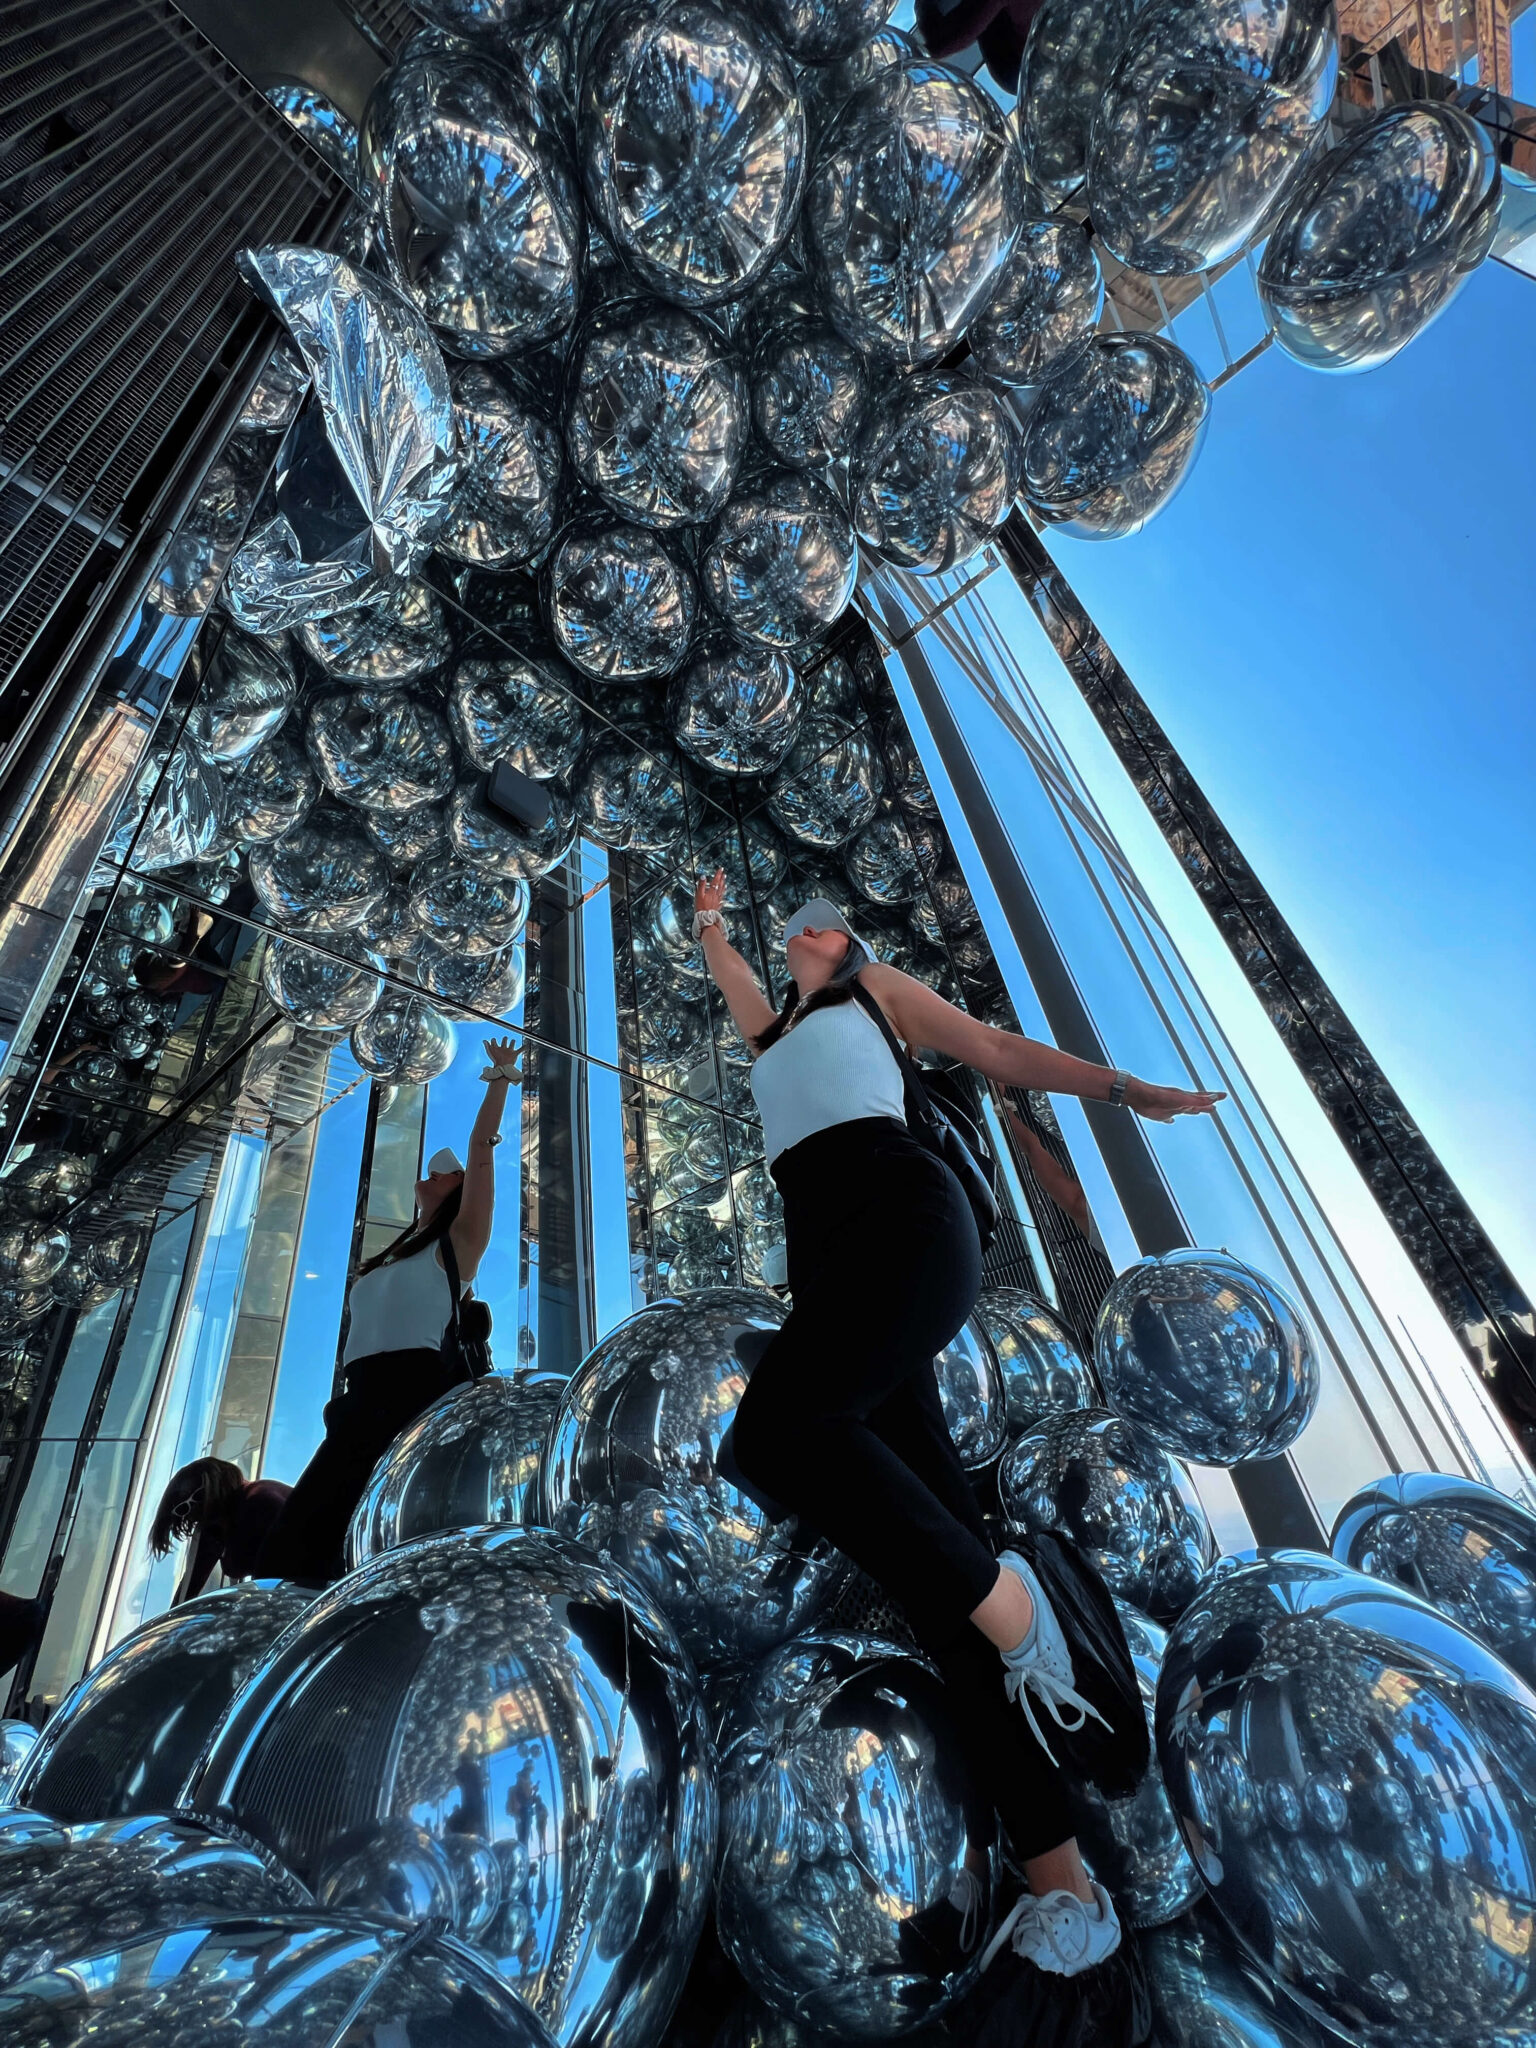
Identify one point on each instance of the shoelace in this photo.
(1066, 1928)
(1053, 1696)
(1024, 1908)
(965, 1897)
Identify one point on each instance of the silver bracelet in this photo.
(1120, 1082)
(702, 918)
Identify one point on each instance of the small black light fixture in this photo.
(517, 796)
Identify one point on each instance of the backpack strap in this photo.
(455, 1284)
(910, 1074)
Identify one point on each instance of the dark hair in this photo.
(838, 990)
(201, 1493)
(417, 1236)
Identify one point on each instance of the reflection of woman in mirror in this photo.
(400, 1306)
(228, 1514)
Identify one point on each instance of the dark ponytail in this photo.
(417, 1236)
(838, 990)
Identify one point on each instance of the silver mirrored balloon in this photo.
(663, 924)
(1211, 1359)
(290, 1980)
(126, 1739)
(391, 930)
(323, 876)
(404, 1040)
(842, 1829)
(177, 813)
(736, 709)
(323, 125)
(1106, 1486)
(277, 394)
(809, 391)
(45, 1183)
(881, 863)
(630, 795)
(1354, 1776)
(912, 209)
(466, 909)
(971, 1391)
(1377, 238)
(318, 990)
(380, 749)
(477, 202)
(657, 413)
(31, 1253)
(112, 1258)
(1210, 107)
(501, 847)
(469, 1461)
(391, 1867)
(245, 699)
(406, 837)
(1133, 1845)
(1469, 1550)
(782, 562)
(823, 31)
(1069, 53)
(935, 471)
(493, 22)
(673, 1030)
(620, 602)
(1046, 306)
(1112, 436)
(829, 785)
(270, 792)
(18, 1739)
(520, 708)
(189, 573)
(631, 1473)
(502, 512)
(398, 635)
(489, 984)
(524, 1695)
(693, 147)
(1206, 1995)
(1044, 1370)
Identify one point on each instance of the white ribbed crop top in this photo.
(833, 1067)
(403, 1306)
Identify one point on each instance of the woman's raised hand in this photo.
(504, 1057)
(1162, 1105)
(710, 893)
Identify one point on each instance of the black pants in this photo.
(841, 1421)
(381, 1395)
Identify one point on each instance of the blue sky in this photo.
(1334, 623)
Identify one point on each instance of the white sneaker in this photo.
(969, 1900)
(1059, 1933)
(1044, 1668)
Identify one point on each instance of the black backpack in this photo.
(466, 1346)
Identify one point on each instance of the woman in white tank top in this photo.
(841, 1422)
(399, 1305)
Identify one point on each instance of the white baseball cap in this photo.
(818, 916)
(445, 1160)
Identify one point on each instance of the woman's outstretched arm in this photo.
(922, 1017)
(471, 1229)
(749, 1007)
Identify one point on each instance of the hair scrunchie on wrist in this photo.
(703, 918)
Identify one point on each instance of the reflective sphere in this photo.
(183, 812)
(1098, 1480)
(1378, 236)
(397, 636)
(693, 147)
(318, 990)
(517, 708)
(470, 1460)
(489, 985)
(522, 1695)
(390, 930)
(73, 1893)
(935, 471)
(829, 785)
(277, 394)
(1046, 306)
(657, 413)
(1211, 1359)
(128, 1736)
(381, 750)
(881, 863)
(269, 792)
(320, 121)
(289, 1980)
(1354, 1776)
(405, 837)
(405, 1040)
(1068, 55)
(842, 1824)
(489, 21)
(735, 708)
(477, 203)
(820, 31)
(45, 1183)
(619, 602)
(630, 797)
(493, 843)
(323, 876)
(1133, 1845)
(112, 1259)
(971, 1390)
(31, 1253)
(1467, 1549)
(246, 698)
(392, 1867)
(1112, 436)
(631, 1473)
(1204, 1998)
(1044, 1372)
(18, 1739)
(911, 211)
(502, 512)
(809, 389)
(782, 562)
(1209, 108)
(465, 909)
